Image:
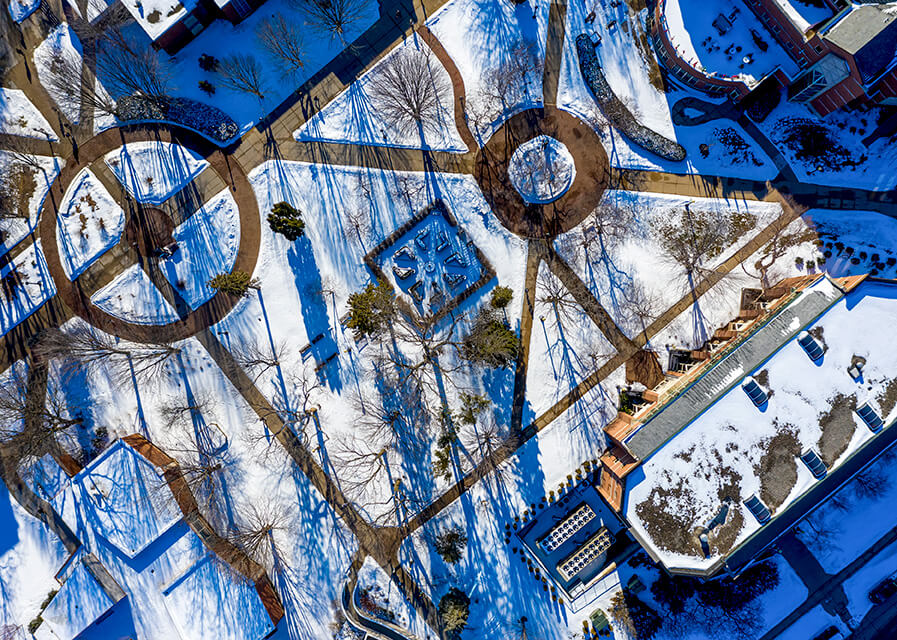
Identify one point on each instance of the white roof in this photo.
(77, 605)
(724, 450)
(804, 15)
(156, 16)
(123, 499)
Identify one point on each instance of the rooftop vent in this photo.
(758, 509)
(810, 345)
(754, 391)
(870, 417)
(814, 463)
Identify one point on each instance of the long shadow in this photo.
(315, 314)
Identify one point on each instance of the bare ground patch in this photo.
(777, 468)
(677, 531)
(837, 427)
(887, 399)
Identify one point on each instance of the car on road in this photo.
(883, 590)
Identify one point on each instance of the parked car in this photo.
(884, 590)
(829, 633)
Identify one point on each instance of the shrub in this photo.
(454, 609)
(371, 310)
(206, 119)
(286, 220)
(208, 63)
(450, 544)
(237, 283)
(501, 297)
(34, 624)
(207, 87)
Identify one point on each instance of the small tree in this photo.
(491, 342)
(286, 220)
(371, 310)
(450, 544)
(237, 283)
(501, 297)
(454, 609)
(243, 73)
(282, 41)
(637, 618)
(332, 17)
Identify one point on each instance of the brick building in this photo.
(846, 53)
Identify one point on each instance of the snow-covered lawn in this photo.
(157, 16)
(19, 117)
(63, 47)
(718, 39)
(29, 558)
(319, 49)
(26, 286)
(356, 116)
(843, 159)
(152, 172)
(14, 230)
(88, 224)
(207, 245)
(814, 622)
(21, 9)
(133, 297)
(483, 36)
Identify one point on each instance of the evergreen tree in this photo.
(237, 283)
(450, 544)
(454, 608)
(501, 297)
(286, 220)
(491, 342)
(371, 310)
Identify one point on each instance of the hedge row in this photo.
(206, 119)
(616, 112)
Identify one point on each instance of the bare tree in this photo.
(785, 237)
(85, 347)
(257, 359)
(335, 18)
(505, 86)
(34, 410)
(242, 73)
(282, 40)
(66, 84)
(406, 88)
(551, 291)
(127, 72)
(258, 532)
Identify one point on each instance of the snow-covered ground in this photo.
(63, 47)
(857, 587)
(207, 245)
(245, 109)
(812, 624)
(29, 558)
(846, 161)
(805, 13)
(154, 171)
(133, 297)
(21, 9)
(809, 407)
(14, 230)
(19, 117)
(356, 116)
(88, 224)
(482, 37)
(33, 286)
(157, 16)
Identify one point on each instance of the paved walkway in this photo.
(811, 573)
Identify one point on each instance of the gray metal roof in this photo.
(749, 355)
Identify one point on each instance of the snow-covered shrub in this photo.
(192, 114)
(616, 112)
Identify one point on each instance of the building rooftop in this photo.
(869, 33)
(157, 16)
(572, 537)
(804, 15)
(727, 449)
